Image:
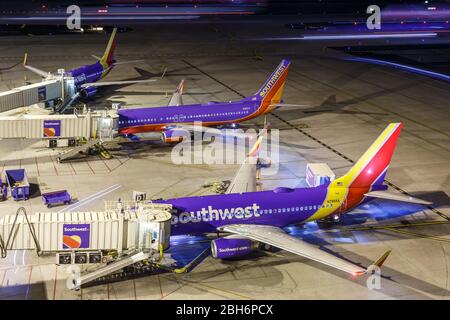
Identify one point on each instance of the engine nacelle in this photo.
(176, 135)
(232, 246)
(88, 92)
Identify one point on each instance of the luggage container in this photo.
(318, 174)
(56, 197)
(18, 184)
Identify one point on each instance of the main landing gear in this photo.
(330, 221)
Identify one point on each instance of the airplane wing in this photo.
(201, 128)
(245, 178)
(40, 72)
(126, 62)
(396, 196)
(176, 99)
(114, 83)
(278, 238)
(290, 105)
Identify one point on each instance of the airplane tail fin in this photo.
(272, 90)
(371, 168)
(108, 57)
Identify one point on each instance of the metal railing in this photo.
(4, 247)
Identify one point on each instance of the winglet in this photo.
(255, 149)
(25, 58)
(377, 263)
(180, 87)
(164, 73)
(383, 258)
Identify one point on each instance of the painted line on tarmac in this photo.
(221, 292)
(395, 226)
(420, 235)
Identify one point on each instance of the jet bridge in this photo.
(59, 130)
(125, 233)
(53, 91)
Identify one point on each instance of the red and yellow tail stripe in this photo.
(272, 90)
(108, 57)
(348, 191)
(375, 160)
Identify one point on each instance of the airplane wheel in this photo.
(329, 222)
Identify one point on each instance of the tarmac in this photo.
(350, 103)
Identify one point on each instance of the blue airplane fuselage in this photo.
(133, 121)
(279, 207)
(87, 74)
(138, 120)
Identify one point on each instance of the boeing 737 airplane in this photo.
(254, 217)
(86, 77)
(176, 121)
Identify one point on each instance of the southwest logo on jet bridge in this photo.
(211, 214)
(51, 128)
(76, 236)
(272, 80)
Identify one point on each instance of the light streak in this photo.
(424, 72)
(91, 198)
(356, 36)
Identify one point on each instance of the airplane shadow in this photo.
(380, 210)
(395, 284)
(330, 105)
(35, 291)
(116, 93)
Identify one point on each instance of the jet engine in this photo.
(88, 92)
(175, 135)
(232, 246)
